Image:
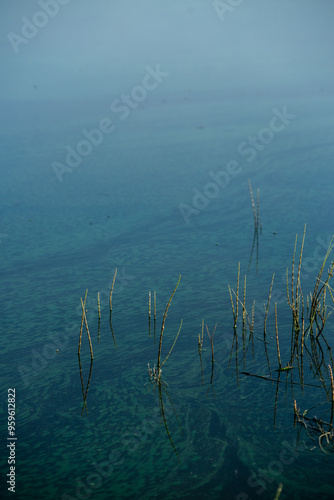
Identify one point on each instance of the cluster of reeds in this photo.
(84, 321)
(307, 334)
(247, 322)
(308, 322)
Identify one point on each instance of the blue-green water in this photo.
(130, 204)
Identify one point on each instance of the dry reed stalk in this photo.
(253, 204)
(267, 308)
(200, 339)
(298, 287)
(232, 305)
(163, 323)
(200, 346)
(82, 321)
(277, 342)
(236, 309)
(318, 294)
(170, 351)
(293, 274)
(265, 323)
(244, 324)
(155, 305)
(295, 297)
(276, 380)
(235, 340)
(251, 328)
(301, 358)
(87, 329)
(279, 491)
(276, 398)
(162, 413)
(237, 296)
(211, 340)
(82, 386)
(292, 303)
(86, 392)
(112, 288)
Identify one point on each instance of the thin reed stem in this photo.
(87, 329)
(211, 340)
(267, 308)
(277, 342)
(235, 309)
(82, 321)
(265, 323)
(99, 305)
(112, 330)
(112, 288)
(200, 339)
(170, 351)
(163, 323)
(253, 204)
(155, 305)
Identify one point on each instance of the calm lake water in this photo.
(166, 193)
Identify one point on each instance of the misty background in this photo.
(96, 50)
(227, 68)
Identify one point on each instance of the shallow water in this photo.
(121, 208)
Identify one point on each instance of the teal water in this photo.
(121, 208)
